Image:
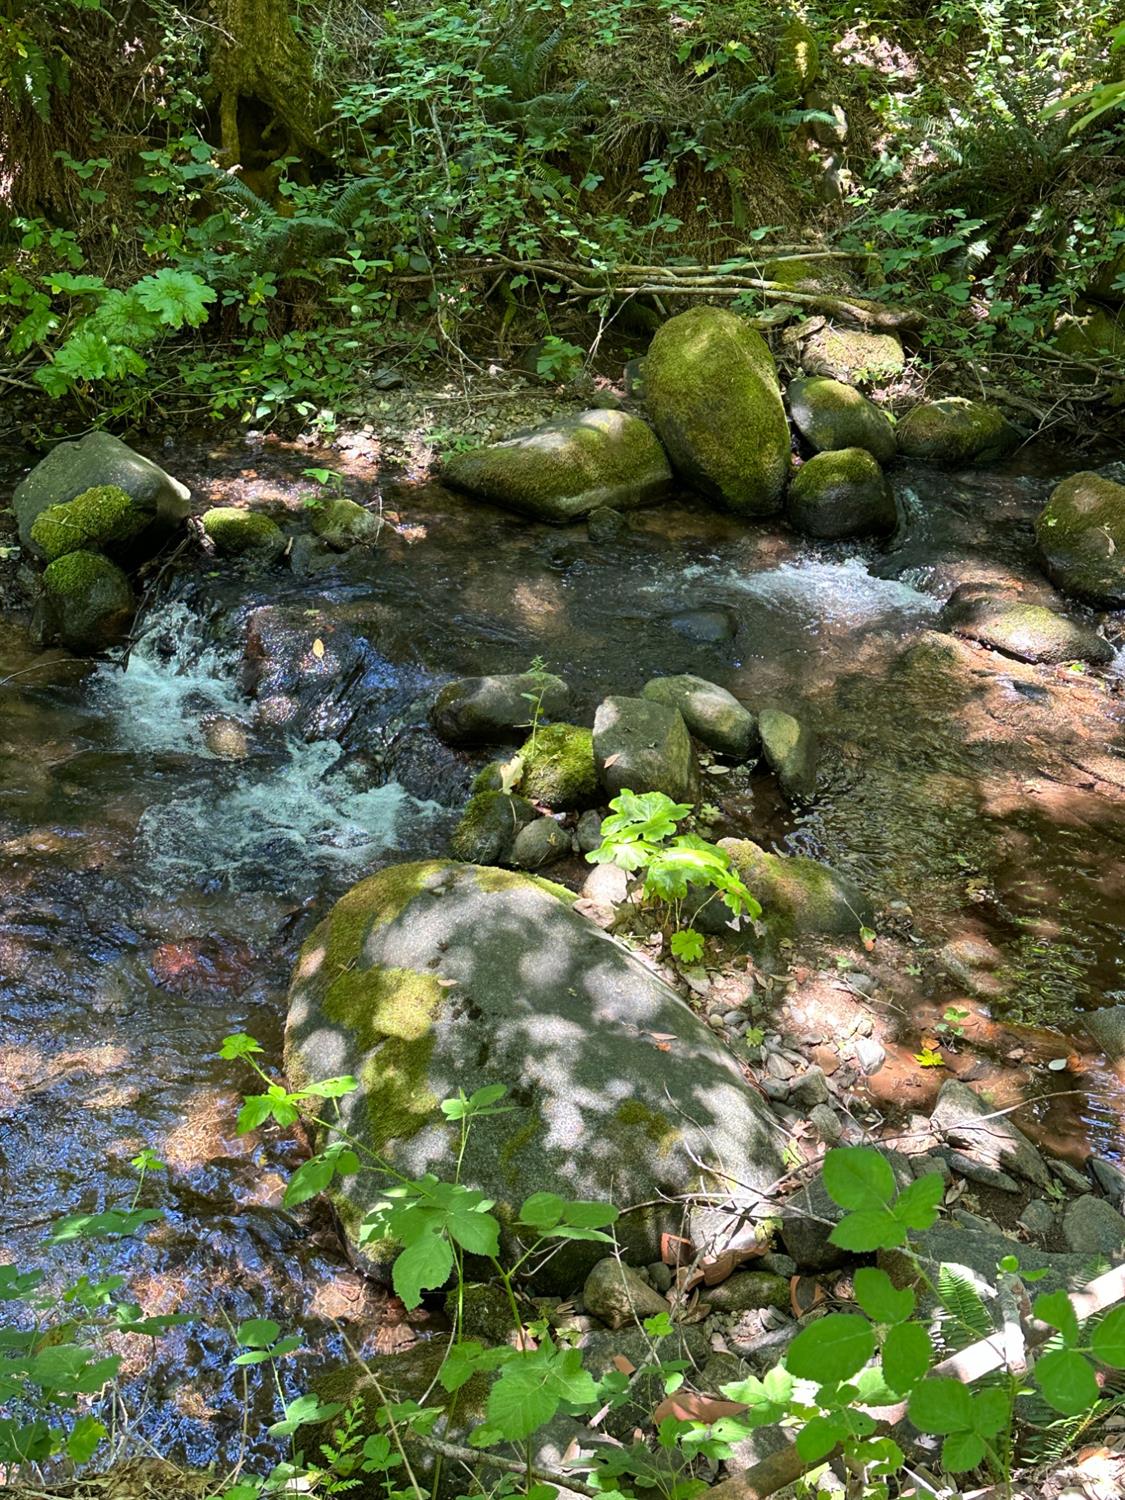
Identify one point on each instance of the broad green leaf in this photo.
(857, 1177)
(907, 1355)
(917, 1205)
(832, 1348)
(258, 1333)
(523, 1397)
(1067, 1381)
(992, 1409)
(818, 1437)
(869, 1229)
(880, 1299)
(422, 1266)
(1108, 1339)
(961, 1451)
(542, 1210)
(85, 1436)
(331, 1088)
(238, 1045)
(478, 1233)
(1054, 1308)
(941, 1406)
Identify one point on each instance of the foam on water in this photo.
(817, 592)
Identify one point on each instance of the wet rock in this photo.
(605, 525)
(488, 828)
(564, 470)
(978, 1250)
(790, 749)
(1081, 539)
(797, 894)
(1110, 1178)
(487, 710)
(645, 747)
(242, 533)
(980, 1172)
(87, 602)
(975, 963)
(428, 977)
(1028, 632)
(706, 627)
(540, 843)
(558, 767)
(831, 415)
(96, 460)
(851, 356)
(713, 395)
(1092, 1227)
(954, 433)
(747, 1289)
(94, 521)
(616, 1294)
(712, 715)
(341, 523)
(841, 494)
(811, 1215)
(589, 831)
(965, 1120)
(634, 378)
(226, 737)
(1107, 1027)
(870, 1054)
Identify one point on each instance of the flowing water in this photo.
(172, 825)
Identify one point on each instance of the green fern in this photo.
(962, 1303)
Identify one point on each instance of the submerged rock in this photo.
(852, 356)
(840, 494)
(568, 468)
(558, 767)
(715, 401)
(426, 978)
(92, 522)
(799, 895)
(713, 715)
(644, 746)
(241, 533)
(486, 710)
(831, 415)
(488, 828)
(1028, 632)
(706, 627)
(97, 460)
(791, 752)
(954, 433)
(1081, 538)
(1107, 1027)
(87, 602)
(341, 523)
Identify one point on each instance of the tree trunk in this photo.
(260, 61)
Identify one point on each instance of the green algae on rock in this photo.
(713, 395)
(840, 494)
(341, 523)
(558, 768)
(87, 602)
(426, 978)
(236, 532)
(790, 749)
(713, 715)
(564, 470)
(90, 522)
(489, 826)
(953, 433)
(831, 415)
(1029, 632)
(799, 895)
(1081, 538)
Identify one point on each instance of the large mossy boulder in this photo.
(490, 710)
(841, 494)
(799, 895)
(1029, 632)
(644, 746)
(714, 716)
(558, 767)
(235, 532)
(1081, 538)
(832, 415)
(432, 977)
(955, 433)
(1092, 333)
(87, 602)
(564, 470)
(489, 826)
(94, 521)
(99, 460)
(714, 397)
(851, 355)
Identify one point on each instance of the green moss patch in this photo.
(90, 522)
(235, 531)
(558, 767)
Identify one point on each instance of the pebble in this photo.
(734, 1018)
(1111, 1179)
(716, 1022)
(778, 1067)
(870, 1054)
(660, 1276)
(810, 1088)
(981, 1172)
(828, 1126)
(775, 1088)
(1038, 1217)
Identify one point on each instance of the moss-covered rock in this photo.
(238, 533)
(810, 273)
(953, 433)
(1029, 632)
(564, 470)
(426, 978)
(832, 415)
(799, 895)
(839, 494)
(342, 523)
(558, 767)
(644, 746)
(539, 844)
(96, 461)
(489, 826)
(1081, 538)
(714, 397)
(797, 65)
(1091, 333)
(712, 715)
(851, 355)
(91, 522)
(87, 602)
(490, 710)
(791, 752)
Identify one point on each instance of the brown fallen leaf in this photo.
(318, 648)
(686, 1406)
(610, 760)
(623, 1364)
(674, 1250)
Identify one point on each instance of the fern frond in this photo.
(353, 200)
(962, 1303)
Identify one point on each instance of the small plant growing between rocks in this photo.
(538, 670)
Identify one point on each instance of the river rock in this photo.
(558, 767)
(1029, 632)
(87, 602)
(540, 843)
(832, 415)
(850, 355)
(964, 1119)
(953, 433)
(712, 714)
(1107, 1027)
(430, 977)
(97, 460)
(979, 1251)
(1092, 1227)
(840, 494)
(487, 710)
(1081, 539)
(243, 533)
(645, 747)
(341, 523)
(799, 895)
(1092, 333)
(97, 520)
(564, 470)
(714, 398)
(704, 627)
(746, 1290)
(790, 749)
(489, 826)
(589, 831)
(616, 1294)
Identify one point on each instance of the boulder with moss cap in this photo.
(1029, 632)
(831, 415)
(558, 767)
(841, 494)
(956, 433)
(851, 354)
(87, 602)
(799, 895)
(243, 533)
(568, 468)
(92, 522)
(713, 715)
(341, 523)
(489, 826)
(712, 392)
(1081, 538)
(432, 977)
